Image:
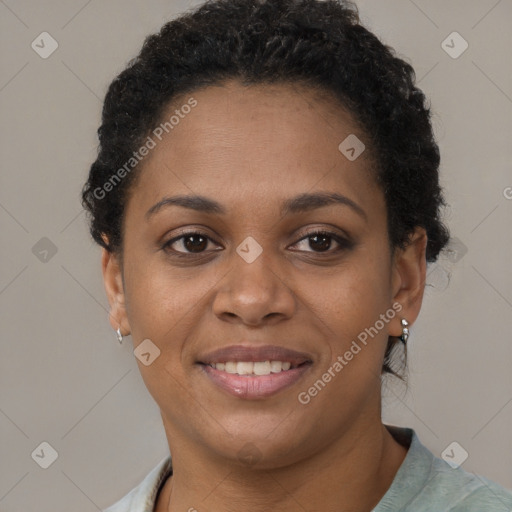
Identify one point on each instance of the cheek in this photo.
(167, 306)
(350, 373)
(354, 300)
(355, 296)
(162, 307)
(159, 299)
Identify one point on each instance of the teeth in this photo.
(229, 367)
(262, 368)
(250, 368)
(244, 368)
(276, 366)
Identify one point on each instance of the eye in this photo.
(194, 242)
(321, 241)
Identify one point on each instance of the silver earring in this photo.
(405, 331)
(119, 335)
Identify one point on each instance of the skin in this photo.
(251, 148)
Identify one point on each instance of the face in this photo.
(261, 271)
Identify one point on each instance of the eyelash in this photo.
(343, 243)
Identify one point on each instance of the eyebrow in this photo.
(298, 204)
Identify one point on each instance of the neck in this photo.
(356, 471)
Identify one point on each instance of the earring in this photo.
(119, 335)
(405, 331)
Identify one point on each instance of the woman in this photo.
(267, 197)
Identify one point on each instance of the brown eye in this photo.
(193, 242)
(322, 241)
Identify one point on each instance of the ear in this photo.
(408, 278)
(113, 281)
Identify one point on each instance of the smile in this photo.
(251, 368)
(254, 372)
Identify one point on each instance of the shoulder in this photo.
(142, 497)
(426, 483)
(463, 491)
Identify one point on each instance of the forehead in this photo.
(262, 110)
(255, 143)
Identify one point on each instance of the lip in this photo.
(254, 354)
(255, 387)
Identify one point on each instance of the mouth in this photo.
(254, 368)
(254, 373)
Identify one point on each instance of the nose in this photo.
(254, 293)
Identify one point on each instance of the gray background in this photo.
(64, 378)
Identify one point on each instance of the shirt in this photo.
(423, 483)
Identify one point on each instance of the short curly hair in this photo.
(319, 43)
